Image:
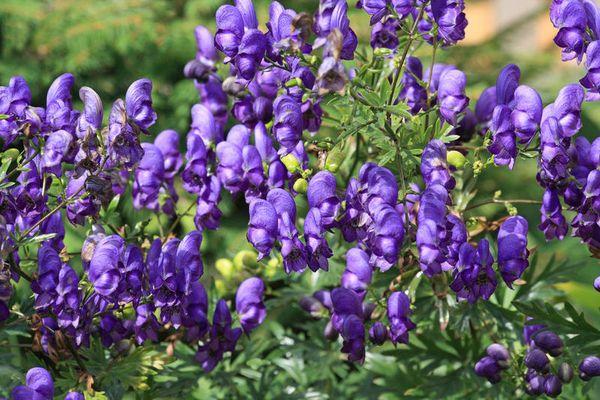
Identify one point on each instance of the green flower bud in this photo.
(334, 159)
(456, 159)
(300, 185)
(245, 258)
(225, 267)
(291, 163)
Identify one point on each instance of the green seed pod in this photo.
(456, 159)
(334, 159)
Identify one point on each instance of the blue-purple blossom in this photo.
(553, 222)
(385, 34)
(262, 227)
(358, 273)
(474, 277)
(321, 194)
(434, 167)
(249, 303)
(378, 333)
(330, 17)
(287, 123)
(398, 312)
(412, 93)
(14, 99)
(452, 99)
(317, 249)
(589, 368)
(138, 104)
(38, 386)
(512, 249)
(148, 178)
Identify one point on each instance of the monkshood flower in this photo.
(455, 235)
(38, 386)
(573, 18)
(512, 249)
(203, 64)
(585, 223)
(74, 396)
(451, 96)
(398, 312)
(474, 277)
(195, 171)
(88, 206)
(59, 106)
(332, 16)
(14, 99)
(148, 178)
(6, 291)
(240, 168)
(56, 149)
(385, 239)
(49, 265)
(345, 302)
(239, 39)
(106, 264)
(589, 368)
(286, 30)
(249, 303)
(430, 225)
(591, 80)
(527, 113)
(353, 333)
(317, 249)
(549, 342)
(434, 167)
(484, 108)
(204, 125)
(331, 77)
(358, 273)
(567, 109)
(262, 227)
(537, 360)
(553, 222)
(168, 143)
(214, 98)
(321, 194)
(194, 312)
(412, 93)
(287, 123)
(277, 172)
(138, 104)
(222, 338)
(28, 196)
(67, 303)
(88, 126)
(208, 214)
(121, 141)
(146, 325)
(554, 159)
(385, 34)
(446, 17)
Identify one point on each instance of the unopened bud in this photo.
(456, 159)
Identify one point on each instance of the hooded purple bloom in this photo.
(331, 16)
(292, 249)
(537, 360)
(262, 227)
(378, 333)
(358, 273)
(56, 149)
(208, 214)
(450, 19)
(81, 208)
(321, 194)
(385, 34)
(451, 95)
(549, 342)
(589, 368)
(512, 249)
(386, 238)
(434, 167)
(398, 312)
(377, 9)
(122, 141)
(527, 113)
(553, 223)
(567, 109)
(38, 386)
(430, 222)
(138, 104)
(412, 92)
(14, 100)
(195, 171)
(168, 143)
(88, 125)
(222, 338)
(203, 64)
(287, 30)
(74, 396)
(554, 159)
(484, 108)
(474, 276)
(249, 303)
(318, 250)
(353, 333)
(345, 303)
(569, 16)
(287, 123)
(591, 80)
(104, 271)
(487, 367)
(146, 325)
(149, 176)
(59, 107)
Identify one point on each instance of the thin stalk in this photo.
(499, 201)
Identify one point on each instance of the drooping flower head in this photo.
(249, 303)
(512, 249)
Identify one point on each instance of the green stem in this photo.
(499, 201)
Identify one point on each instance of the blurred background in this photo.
(107, 44)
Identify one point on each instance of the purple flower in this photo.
(398, 312)
(321, 194)
(487, 367)
(451, 95)
(566, 109)
(195, 171)
(74, 396)
(553, 223)
(146, 325)
(434, 167)
(88, 125)
(122, 141)
(552, 386)
(138, 104)
(484, 108)
(249, 303)
(386, 238)
(527, 113)
(318, 250)
(287, 30)
(570, 17)
(292, 249)
(287, 123)
(430, 225)
(474, 276)
(168, 143)
(450, 19)
(589, 368)
(353, 333)
(377, 9)
(537, 360)
(345, 303)
(331, 77)
(38, 386)
(104, 271)
(56, 149)
(512, 249)
(148, 178)
(549, 342)
(14, 100)
(208, 214)
(262, 227)
(385, 34)
(504, 145)
(412, 93)
(203, 64)
(59, 106)
(358, 273)
(331, 16)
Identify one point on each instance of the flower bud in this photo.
(300, 185)
(597, 284)
(311, 305)
(456, 159)
(378, 333)
(382, 52)
(225, 267)
(245, 258)
(291, 163)
(500, 354)
(535, 385)
(589, 367)
(552, 386)
(565, 372)
(536, 359)
(549, 342)
(334, 159)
